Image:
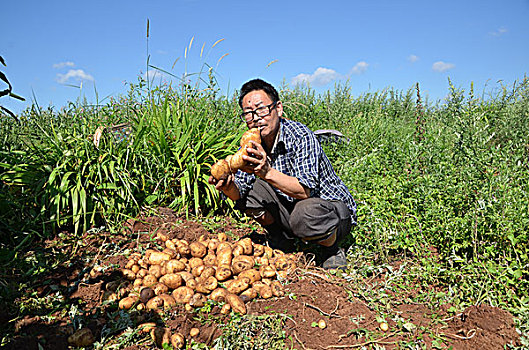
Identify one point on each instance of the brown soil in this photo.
(311, 295)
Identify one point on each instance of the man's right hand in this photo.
(227, 186)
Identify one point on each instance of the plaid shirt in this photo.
(298, 153)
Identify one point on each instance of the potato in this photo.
(220, 170)
(192, 283)
(250, 135)
(186, 276)
(198, 300)
(183, 294)
(210, 259)
(171, 252)
(277, 289)
(138, 282)
(198, 250)
(262, 260)
(236, 161)
(178, 341)
(140, 307)
(183, 247)
(236, 303)
(155, 270)
(248, 294)
(224, 256)
(269, 252)
(144, 264)
(131, 263)
(282, 274)
(258, 250)
(146, 294)
(208, 271)
(160, 288)
(142, 273)
(171, 280)
(237, 286)
(156, 258)
(264, 290)
(82, 338)
(195, 262)
(170, 244)
(109, 296)
(266, 281)
(197, 270)
(252, 274)
(203, 238)
(149, 280)
(267, 271)
(213, 244)
(207, 285)
(154, 303)
(161, 336)
(218, 294)
(282, 263)
(173, 266)
(128, 274)
(223, 273)
(246, 244)
(225, 309)
(128, 302)
(222, 237)
(146, 327)
(241, 263)
(168, 301)
(238, 250)
(194, 332)
(162, 236)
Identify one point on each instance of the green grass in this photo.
(450, 178)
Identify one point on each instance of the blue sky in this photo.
(50, 45)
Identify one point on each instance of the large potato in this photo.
(154, 303)
(250, 135)
(168, 301)
(178, 341)
(173, 266)
(223, 273)
(248, 294)
(236, 303)
(193, 262)
(241, 263)
(252, 274)
(156, 258)
(210, 259)
(221, 170)
(267, 271)
(182, 295)
(128, 302)
(246, 244)
(218, 294)
(198, 300)
(237, 286)
(198, 249)
(160, 288)
(82, 338)
(236, 161)
(149, 280)
(224, 255)
(171, 280)
(155, 270)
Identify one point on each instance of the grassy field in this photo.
(443, 188)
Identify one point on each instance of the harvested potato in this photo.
(220, 170)
(170, 244)
(210, 259)
(252, 274)
(182, 295)
(178, 341)
(149, 280)
(198, 249)
(171, 280)
(138, 282)
(225, 309)
(168, 301)
(128, 302)
(224, 255)
(208, 271)
(134, 268)
(81, 338)
(171, 252)
(197, 270)
(154, 303)
(194, 332)
(262, 260)
(218, 294)
(248, 294)
(237, 161)
(195, 262)
(264, 290)
(237, 250)
(209, 284)
(277, 289)
(236, 303)
(131, 263)
(252, 134)
(160, 288)
(155, 270)
(144, 263)
(223, 244)
(156, 258)
(128, 274)
(246, 244)
(173, 266)
(223, 273)
(197, 300)
(142, 273)
(213, 244)
(258, 250)
(186, 276)
(267, 271)
(192, 283)
(268, 252)
(237, 286)
(241, 263)
(146, 294)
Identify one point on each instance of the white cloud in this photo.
(441, 66)
(360, 67)
(76, 74)
(499, 32)
(321, 76)
(63, 64)
(153, 74)
(413, 58)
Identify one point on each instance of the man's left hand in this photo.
(257, 161)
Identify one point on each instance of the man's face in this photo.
(268, 125)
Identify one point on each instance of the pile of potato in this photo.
(191, 273)
(224, 167)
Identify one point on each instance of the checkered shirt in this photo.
(298, 153)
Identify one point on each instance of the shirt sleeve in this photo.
(244, 182)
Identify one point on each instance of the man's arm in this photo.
(228, 187)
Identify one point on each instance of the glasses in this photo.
(260, 112)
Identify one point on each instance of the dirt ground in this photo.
(311, 295)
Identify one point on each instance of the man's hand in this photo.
(257, 161)
(227, 186)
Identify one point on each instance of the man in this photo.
(289, 185)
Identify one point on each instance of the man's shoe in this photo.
(334, 258)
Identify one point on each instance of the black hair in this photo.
(258, 84)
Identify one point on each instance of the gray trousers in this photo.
(311, 219)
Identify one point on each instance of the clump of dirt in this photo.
(311, 295)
